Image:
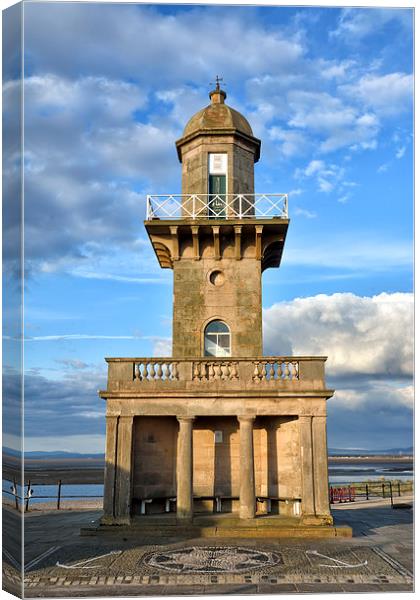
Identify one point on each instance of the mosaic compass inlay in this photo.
(212, 559)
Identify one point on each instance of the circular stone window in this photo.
(217, 278)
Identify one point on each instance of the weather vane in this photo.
(218, 81)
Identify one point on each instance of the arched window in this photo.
(217, 339)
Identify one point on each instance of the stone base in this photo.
(114, 521)
(317, 520)
(222, 526)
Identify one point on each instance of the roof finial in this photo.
(217, 95)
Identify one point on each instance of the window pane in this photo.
(210, 347)
(224, 340)
(217, 327)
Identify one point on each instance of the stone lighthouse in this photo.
(217, 429)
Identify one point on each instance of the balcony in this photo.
(226, 206)
(255, 374)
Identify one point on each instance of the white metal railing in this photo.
(215, 206)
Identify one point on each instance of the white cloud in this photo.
(72, 363)
(327, 176)
(357, 23)
(383, 168)
(339, 124)
(305, 213)
(143, 43)
(378, 395)
(79, 336)
(296, 192)
(84, 154)
(121, 278)
(162, 347)
(315, 166)
(292, 142)
(387, 94)
(400, 152)
(360, 335)
(343, 199)
(335, 69)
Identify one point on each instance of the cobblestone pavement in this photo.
(378, 558)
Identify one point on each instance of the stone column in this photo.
(184, 469)
(307, 463)
(123, 475)
(247, 477)
(320, 458)
(110, 466)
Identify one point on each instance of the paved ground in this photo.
(378, 558)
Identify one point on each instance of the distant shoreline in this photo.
(80, 471)
(373, 458)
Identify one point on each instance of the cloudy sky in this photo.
(108, 88)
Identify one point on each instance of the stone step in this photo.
(233, 531)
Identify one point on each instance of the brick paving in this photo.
(378, 558)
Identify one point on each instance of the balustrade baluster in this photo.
(256, 376)
(218, 371)
(262, 373)
(136, 372)
(143, 371)
(295, 369)
(225, 371)
(203, 371)
(234, 371)
(159, 371)
(271, 372)
(175, 371)
(152, 371)
(196, 373)
(211, 371)
(166, 370)
(286, 370)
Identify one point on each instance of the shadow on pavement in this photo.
(367, 521)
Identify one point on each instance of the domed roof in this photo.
(219, 118)
(217, 115)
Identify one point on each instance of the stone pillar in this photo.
(110, 466)
(123, 476)
(307, 468)
(247, 477)
(184, 469)
(320, 459)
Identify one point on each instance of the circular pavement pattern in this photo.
(212, 559)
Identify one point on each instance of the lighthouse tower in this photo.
(217, 427)
(224, 238)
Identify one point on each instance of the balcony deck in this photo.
(226, 206)
(209, 375)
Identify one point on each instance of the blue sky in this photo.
(108, 89)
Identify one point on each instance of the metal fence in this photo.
(367, 491)
(28, 495)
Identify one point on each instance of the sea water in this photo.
(338, 473)
(345, 472)
(49, 493)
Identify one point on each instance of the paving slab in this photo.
(60, 563)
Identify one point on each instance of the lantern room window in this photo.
(217, 186)
(217, 339)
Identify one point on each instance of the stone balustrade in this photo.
(150, 369)
(201, 373)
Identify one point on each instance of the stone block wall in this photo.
(154, 457)
(236, 299)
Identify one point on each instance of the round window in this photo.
(217, 278)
